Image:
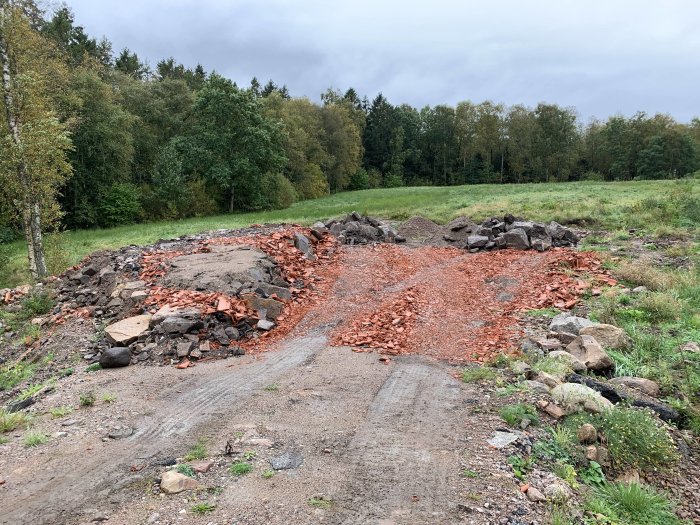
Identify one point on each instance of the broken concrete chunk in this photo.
(303, 244)
(287, 460)
(273, 309)
(126, 331)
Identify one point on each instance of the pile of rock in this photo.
(580, 344)
(513, 232)
(359, 229)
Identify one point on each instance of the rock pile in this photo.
(192, 298)
(513, 232)
(358, 229)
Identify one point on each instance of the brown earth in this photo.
(383, 441)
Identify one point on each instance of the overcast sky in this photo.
(601, 56)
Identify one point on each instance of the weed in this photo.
(11, 376)
(36, 304)
(514, 415)
(249, 454)
(638, 273)
(185, 469)
(566, 472)
(60, 412)
(29, 391)
(320, 503)
(521, 466)
(109, 398)
(198, 451)
(240, 468)
(479, 374)
(10, 421)
(592, 474)
(87, 399)
(630, 504)
(67, 372)
(561, 515)
(215, 490)
(466, 473)
(633, 436)
(34, 438)
(560, 445)
(4, 440)
(203, 508)
(268, 473)
(271, 388)
(552, 366)
(94, 367)
(660, 307)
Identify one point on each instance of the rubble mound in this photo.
(359, 229)
(196, 297)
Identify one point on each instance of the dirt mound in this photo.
(227, 269)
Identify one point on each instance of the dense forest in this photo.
(175, 141)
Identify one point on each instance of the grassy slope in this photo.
(605, 204)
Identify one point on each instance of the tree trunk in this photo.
(31, 212)
(230, 202)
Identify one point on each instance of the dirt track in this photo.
(385, 442)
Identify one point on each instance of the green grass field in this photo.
(648, 205)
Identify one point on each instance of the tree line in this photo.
(109, 140)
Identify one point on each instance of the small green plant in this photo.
(60, 412)
(67, 372)
(184, 468)
(552, 366)
(268, 473)
(12, 420)
(13, 375)
(478, 374)
(36, 304)
(249, 454)
(593, 474)
(514, 415)
(198, 451)
(559, 447)
(630, 504)
(566, 472)
(87, 399)
(34, 438)
(271, 388)
(203, 508)
(521, 466)
(320, 503)
(94, 367)
(4, 440)
(467, 473)
(29, 391)
(240, 468)
(109, 398)
(561, 515)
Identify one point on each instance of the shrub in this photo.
(359, 180)
(278, 191)
(87, 399)
(631, 504)
(120, 204)
(185, 469)
(515, 414)
(311, 183)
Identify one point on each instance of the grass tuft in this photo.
(514, 415)
(479, 374)
(240, 468)
(11, 421)
(630, 504)
(198, 451)
(34, 438)
(203, 508)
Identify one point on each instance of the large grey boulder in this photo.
(576, 398)
(539, 238)
(115, 357)
(516, 238)
(569, 324)
(607, 335)
(589, 352)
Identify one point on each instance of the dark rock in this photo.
(232, 333)
(269, 308)
(303, 244)
(115, 357)
(180, 325)
(90, 270)
(516, 238)
(664, 412)
(477, 241)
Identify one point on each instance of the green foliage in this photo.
(198, 451)
(320, 503)
(593, 474)
(478, 374)
(359, 181)
(521, 466)
(87, 399)
(467, 473)
(634, 437)
(630, 504)
(514, 415)
(185, 469)
(12, 420)
(268, 473)
(272, 388)
(12, 375)
(566, 472)
(60, 412)
(278, 191)
(34, 438)
(560, 445)
(94, 367)
(108, 398)
(120, 204)
(240, 468)
(203, 508)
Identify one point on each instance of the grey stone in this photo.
(127, 330)
(649, 387)
(502, 439)
(272, 309)
(575, 398)
(287, 460)
(264, 324)
(115, 357)
(303, 244)
(569, 324)
(590, 353)
(517, 239)
(183, 349)
(536, 386)
(477, 241)
(572, 361)
(232, 333)
(179, 325)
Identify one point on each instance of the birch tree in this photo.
(33, 141)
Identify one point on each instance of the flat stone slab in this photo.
(286, 461)
(127, 330)
(502, 439)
